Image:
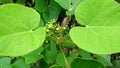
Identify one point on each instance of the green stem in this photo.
(67, 64)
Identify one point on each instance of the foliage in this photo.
(101, 29)
(59, 34)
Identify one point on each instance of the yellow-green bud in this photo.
(50, 25)
(47, 30)
(64, 28)
(57, 28)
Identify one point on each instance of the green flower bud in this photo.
(46, 41)
(47, 30)
(64, 28)
(57, 29)
(50, 25)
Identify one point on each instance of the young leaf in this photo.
(18, 33)
(85, 63)
(101, 34)
(33, 56)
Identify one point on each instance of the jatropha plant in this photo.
(59, 33)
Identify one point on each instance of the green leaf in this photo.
(5, 62)
(41, 5)
(101, 34)
(34, 56)
(73, 53)
(69, 5)
(49, 56)
(18, 33)
(60, 60)
(53, 12)
(21, 1)
(43, 65)
(20, 64)
(1, 3)
(84, 54)
(7, 1)
(68, 42)
(85, 63)
(50, 50)
(41, 23)
(91, 11)
(105, 59)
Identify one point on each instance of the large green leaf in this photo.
(101, 34)
(86, 63)
(91, 11)
(18, 33)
